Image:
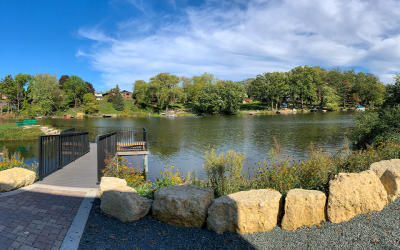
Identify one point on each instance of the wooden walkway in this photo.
(82, 173)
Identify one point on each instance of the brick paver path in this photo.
(38, 218)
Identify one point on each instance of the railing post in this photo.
(59, 152)
(73, 147)
(98, 160)
(40, 159)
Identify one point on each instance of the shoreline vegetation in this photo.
(11, 132)
(303, 88)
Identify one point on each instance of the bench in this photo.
(20, 124)
(130, 145)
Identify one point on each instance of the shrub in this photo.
(14, 161)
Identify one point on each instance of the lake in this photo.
(182, 141)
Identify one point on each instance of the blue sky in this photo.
(120, 41)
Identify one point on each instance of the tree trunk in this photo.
(75, 103)
(276, 106)
(8, 107)
(344, 101)
(301, 101)
(272, 106)
(1, 100)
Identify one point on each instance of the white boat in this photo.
(171, 115)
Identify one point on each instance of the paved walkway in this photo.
(50, 214)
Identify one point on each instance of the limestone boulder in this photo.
(303, 208)
(391, 181)
(380, 167)
(182, 205)
(125, 205)
(112, 183)
(15, 178)
(354, 194)
(245, 212)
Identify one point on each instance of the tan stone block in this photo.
(125, 205)
(112, 183)
(303, 208)
(245, 212)
(354, 194)
(391, 181)
(15, 178)
(182, 205)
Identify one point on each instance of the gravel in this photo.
(377, 230)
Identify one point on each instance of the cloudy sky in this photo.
(120, 41)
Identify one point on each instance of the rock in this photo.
(182, 205)
(390, 180)
(112, 183)
(303, 208)
(353, 194)
(125, 205)
(15, 178)
(380, 167)
(245, 212)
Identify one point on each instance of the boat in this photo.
(171, 115)
(360, 108)
(164, 113)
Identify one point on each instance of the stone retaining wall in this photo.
(259, 210)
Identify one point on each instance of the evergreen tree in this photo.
(118, 102)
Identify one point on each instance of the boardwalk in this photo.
(81, 173)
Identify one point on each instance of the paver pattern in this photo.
(38, 218)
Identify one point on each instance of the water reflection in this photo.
(181, 141)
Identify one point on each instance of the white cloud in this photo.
(236, 42)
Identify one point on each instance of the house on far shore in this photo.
(98, 95)
(126, 94)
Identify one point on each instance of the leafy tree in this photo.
(75, 88)
(141, 92)
(4, 86)
(198, 82)
(91, 104)
(375, 127)
(163, 86)
(19, 92)
(8, 86)
(43, 88)
(62, 80)
(369, 88)
(393, 92)
(221, 98)
(90, 88)
(302, 82)
(329, 97)
(118, 102)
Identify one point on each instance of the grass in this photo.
(11, 132)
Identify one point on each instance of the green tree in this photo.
(91, 104)
(5, 84)
(221, 98)
(371, 91)
(62, 80)
(118, 102)
(329, 97)
(393, 92)
(163, 86)
(20, 82)
(141, 93)
(43, 89)
(75, 88)
(303, 82)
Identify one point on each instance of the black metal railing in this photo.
(106, 144)
(56, 151)
(96, 131)
(128, 140)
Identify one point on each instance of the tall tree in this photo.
(91, 104)
(62, 80)
(20, 81)
(90, 88)
(118, 102)
(163, 86)
(141, 92)
(43, 89)
(393, 92)
(75, 88)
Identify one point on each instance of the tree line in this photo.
(315, 86)
(48, 93)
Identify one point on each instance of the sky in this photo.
(120, 41)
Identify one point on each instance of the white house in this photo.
(98, 95)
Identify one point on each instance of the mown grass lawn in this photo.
(11, 132)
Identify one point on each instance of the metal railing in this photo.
(129, 138)
(56, 151)
(106, 144)
(96, 131)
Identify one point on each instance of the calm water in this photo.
(181, 141)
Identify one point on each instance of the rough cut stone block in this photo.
(112, 183)
(380, 167)
(126, 205)
(354, 194)
(15, 178)
(303, 208)
(182, 205)
(245, 212)
(391, 181)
